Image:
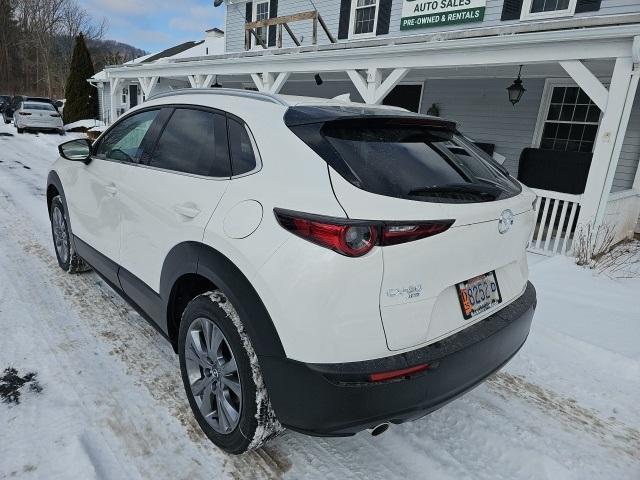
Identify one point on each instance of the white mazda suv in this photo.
(318, 265)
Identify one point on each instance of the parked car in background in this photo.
(33, 115)
(4, 101)
(7, 114)
(318, 265)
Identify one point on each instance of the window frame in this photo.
(352, 21)
(254, 14)
(254, 146)
(158, 126)
(545, 103)
(526, 14)
(150, 137)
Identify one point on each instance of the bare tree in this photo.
(43, 44)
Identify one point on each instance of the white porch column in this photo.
(373, 89)
(268, 83)
(147, 84)
(613, 126)
(114, 85)
(200, 81)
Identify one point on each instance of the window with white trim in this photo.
(571, 120)
(364, 18)
(532, 9)
(260, 12)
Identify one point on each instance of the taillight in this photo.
(355, 238)
(57, 115)
(24, 113)
(349, 240)
(395, 234)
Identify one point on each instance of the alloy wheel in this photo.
(60, 234)
(213, 375)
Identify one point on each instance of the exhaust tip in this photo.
(378, 429)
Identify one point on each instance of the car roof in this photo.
(307, 108)
(284, 100)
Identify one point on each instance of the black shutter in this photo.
(511, 9)
(248, 16)
(384, 16)
(343, 23)
(588, 6)
(273, 13)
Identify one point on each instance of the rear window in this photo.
(409, 159)
(39, 106)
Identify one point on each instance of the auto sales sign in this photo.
(431, 13)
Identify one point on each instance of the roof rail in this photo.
(235, 92)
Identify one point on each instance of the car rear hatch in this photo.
(407, 168)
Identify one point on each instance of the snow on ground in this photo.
(111, 403)
(88, 123)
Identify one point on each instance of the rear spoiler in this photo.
(306, 115)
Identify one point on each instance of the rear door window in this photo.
(408, 160)
(195, 142)
(243, 155)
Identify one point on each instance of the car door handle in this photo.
(187, 211)
(111, 189)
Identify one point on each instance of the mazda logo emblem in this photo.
(505, 221)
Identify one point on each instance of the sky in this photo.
(154, 25)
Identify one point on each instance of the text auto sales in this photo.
(416, 13)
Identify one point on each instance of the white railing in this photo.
(555, 224)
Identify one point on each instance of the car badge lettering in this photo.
(411, 291)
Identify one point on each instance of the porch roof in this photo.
(589, 38)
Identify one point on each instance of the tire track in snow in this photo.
(611, 432)
(150, 360)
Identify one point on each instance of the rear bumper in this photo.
(334, 399)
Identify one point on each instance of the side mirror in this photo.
(76, 150)
(58, 104)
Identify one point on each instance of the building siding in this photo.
(630, 153)
(483, 112)
(330, 9)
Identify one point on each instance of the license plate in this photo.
(478, 294)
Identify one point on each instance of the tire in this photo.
(20, 130)
(68, 259)
(61, 132)
(255, 422)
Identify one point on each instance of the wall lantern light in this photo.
(516, 89)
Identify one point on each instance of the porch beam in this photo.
(393, 79)
(372, 88)
(458, 53)
(587, 81)
(613, 125)
(192, 81)
(147, 84)
(208, 80)
(360, 83)
(257, 80)
(279, 82)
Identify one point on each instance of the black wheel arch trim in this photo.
(194, 257)
(53, 180)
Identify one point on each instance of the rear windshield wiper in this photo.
(484, 191)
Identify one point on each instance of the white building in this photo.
(574, 135)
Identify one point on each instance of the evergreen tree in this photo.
(82, 98)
